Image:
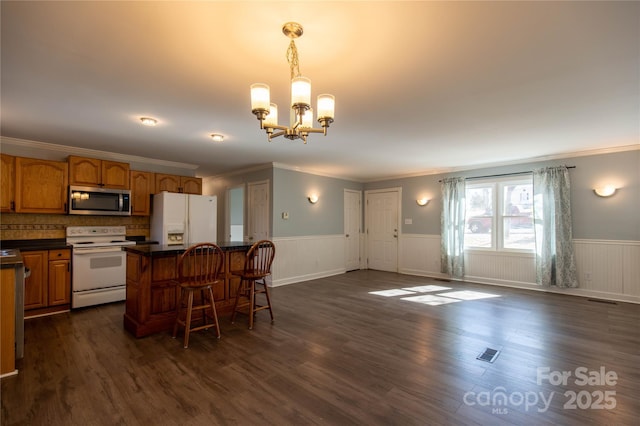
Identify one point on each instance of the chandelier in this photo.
(301, 111)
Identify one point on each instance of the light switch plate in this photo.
(408, 221)
(285, 215)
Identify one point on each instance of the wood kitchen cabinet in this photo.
(40, 186)
(151, 289)
(176, 183)
(7, 183)
(7, 321)
(94, 172)
(36, 286)
(48, 287)
(59, 277)
(142, 187)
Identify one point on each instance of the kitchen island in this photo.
(151, 291)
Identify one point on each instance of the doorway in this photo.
(258, 210)
(383, 226)
(352, 228)
(235, 213)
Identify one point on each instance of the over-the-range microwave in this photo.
(99, 201)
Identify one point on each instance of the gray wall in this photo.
(219, 186)
(614, 218)
(291, 189)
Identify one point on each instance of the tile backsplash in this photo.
(18, 226)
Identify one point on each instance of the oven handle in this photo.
(96, 250)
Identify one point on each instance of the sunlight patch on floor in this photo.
(392, 292)
(413, 295)
(426, 288)
(431, 300)
(468, 295)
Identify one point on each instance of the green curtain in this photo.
(555, 260)
(452, 227)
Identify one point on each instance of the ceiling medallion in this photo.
(302, 113)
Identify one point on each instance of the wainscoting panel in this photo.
(606, 269)
(500, 267)
(307, 258)
(631, 270)
(419, 255)
(609, 269)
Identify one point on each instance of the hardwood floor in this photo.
(338, 355)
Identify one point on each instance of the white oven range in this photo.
(99, 264)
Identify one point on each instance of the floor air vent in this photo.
(489, 355)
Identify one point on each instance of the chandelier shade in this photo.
(301, 123)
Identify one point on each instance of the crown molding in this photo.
(241, 171)
(92, 153)
(312, 172)
(562, 156)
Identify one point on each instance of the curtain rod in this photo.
(506, 174)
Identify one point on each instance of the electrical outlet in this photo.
(587, 276)
(285, 215)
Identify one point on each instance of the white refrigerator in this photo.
(183, 218)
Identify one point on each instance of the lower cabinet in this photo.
(48, 287)
(59, 277)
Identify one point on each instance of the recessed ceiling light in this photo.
(148, 121)
(217, 137)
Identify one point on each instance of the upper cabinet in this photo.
(175, 183)
(142, 186)
(7, 183)
(40, 186)
(93, 172)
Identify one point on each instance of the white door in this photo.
(382, 229)
(352, 220)
(258, 211)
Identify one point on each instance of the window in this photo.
(499, 215)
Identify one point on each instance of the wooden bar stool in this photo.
(257, 267)
(199, 268)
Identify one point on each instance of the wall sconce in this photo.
(605, 191)
(422, 201)
(148, 121)
(312, 198)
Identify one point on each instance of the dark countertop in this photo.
(157, 249)
(30, 245)
(10, 258)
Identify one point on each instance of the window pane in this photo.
(517, 216)
(479, 213)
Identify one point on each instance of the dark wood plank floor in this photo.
(338, 355)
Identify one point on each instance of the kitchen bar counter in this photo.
(161, 250)
(151, 291)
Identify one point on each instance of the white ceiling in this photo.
(419, 86)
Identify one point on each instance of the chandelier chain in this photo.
(292, 58)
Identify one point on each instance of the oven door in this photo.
(98, 267)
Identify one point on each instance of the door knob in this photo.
(347, 235)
